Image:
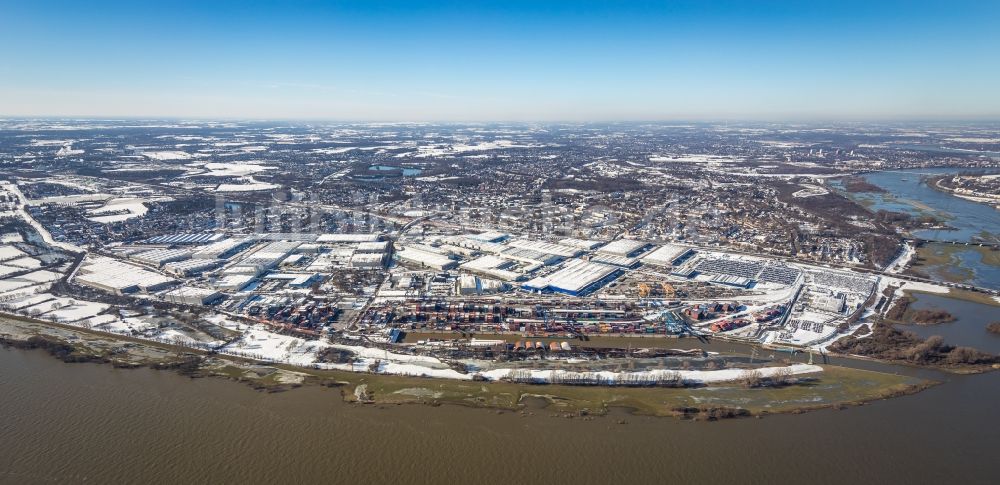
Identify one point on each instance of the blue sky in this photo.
(481, 61)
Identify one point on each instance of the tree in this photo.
(781, 376)
(751, 378)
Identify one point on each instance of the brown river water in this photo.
(91, 423)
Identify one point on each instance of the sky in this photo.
(502, 61)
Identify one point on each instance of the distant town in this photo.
(487, 252)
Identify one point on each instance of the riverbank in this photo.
(952, 263)
(982, 198)
(834, 387)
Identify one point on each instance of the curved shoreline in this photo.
(77, 345)
(935, 184)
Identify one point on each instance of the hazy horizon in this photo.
(503, 61)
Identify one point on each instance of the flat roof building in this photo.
(668, 255)
(425, 259)
(348, 238)
(160, 257)
(190, 267)
(577, 277)
(117, 277)
(622, 247)
(187, 295)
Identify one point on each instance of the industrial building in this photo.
(185, 239)
(265, 258)
(223, 249)
(367, 260)
(473, 285)
(668, 255)
(615, 260)
(347, 238)
(160, 257)
(732, 280)
(532, 256)
(234, 282)
(425, 259)
(116, 277)
(577, 277)
(586, 244)
(373, 247)
(546, 247)
(190, 267)
(187, 295)
(622, 247)
(492, 266)
(831, 303)
(490, 237)
(295, 280)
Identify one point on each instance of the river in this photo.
(94, 423)
(906, 192)
(969, 327)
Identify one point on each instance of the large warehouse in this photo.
(668, 255)
(188, 295)
(577, 277)
(347, 238)
(622, 247)
(425, 259)
(119, 278)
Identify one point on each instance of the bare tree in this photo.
(751, 378)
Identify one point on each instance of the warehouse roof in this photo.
(575, 277)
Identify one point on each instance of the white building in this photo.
(425, 259)
(187, 295)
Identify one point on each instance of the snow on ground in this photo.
(178, 337)
(973, 140)
(227, 322)
(810, 190)
(129, 325)
(333, 151)
(918, 286)
(10, 252)
(44, 233)
(40, 276)
(438, 150)
(78, 310)
(25, 263)
(67, 151)
(250, 187)
(419, 370)
(20, 292)
(218, 169)
(258, 343)
(10, 285)
(99, 320)
(120, 209)
(28, 301)
(7, 270)
(695, 158)
(703, 376)
(167, 155)
(900, 263)
(373, 353)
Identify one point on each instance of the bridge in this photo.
(982, 244)
(408, 225)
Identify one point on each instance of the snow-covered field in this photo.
(250, 187)
(121, 209)
(217, 169)
(167, 155)
(702, 376)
